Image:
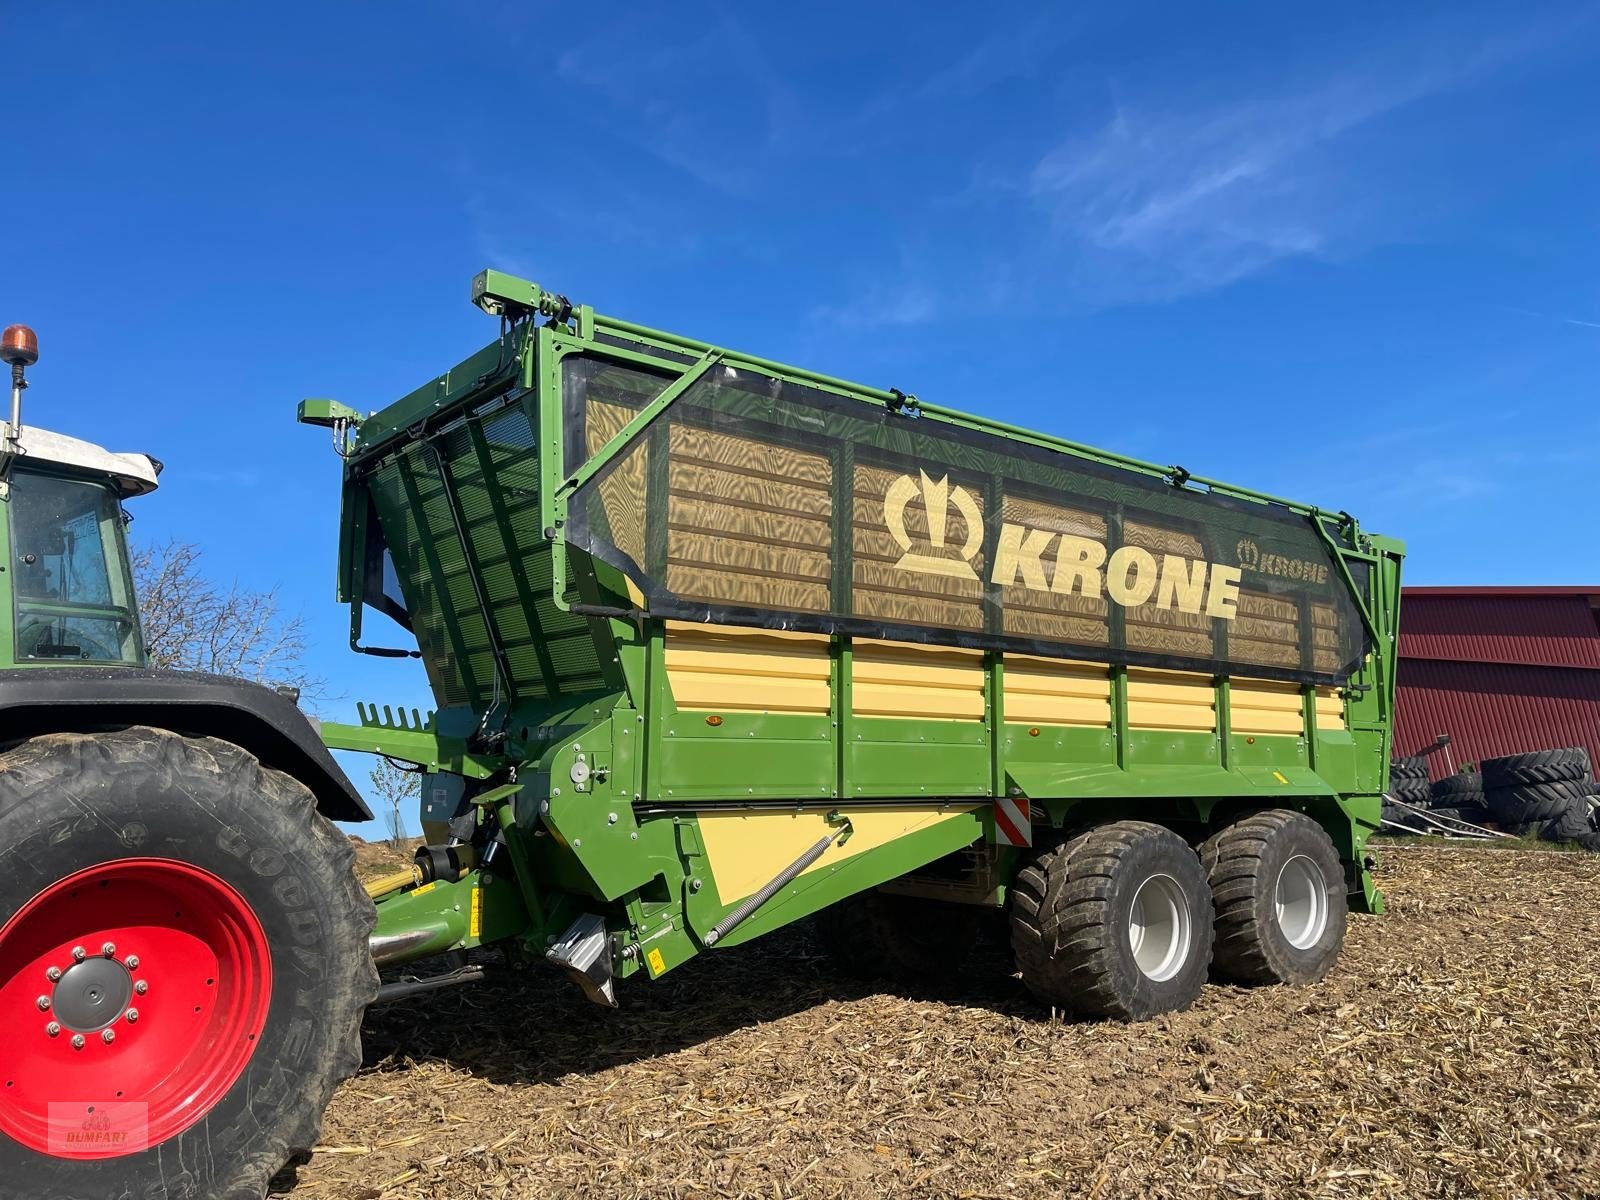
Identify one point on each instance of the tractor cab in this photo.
(68, 595)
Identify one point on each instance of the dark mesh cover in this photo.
(486, 459)
(756, 501)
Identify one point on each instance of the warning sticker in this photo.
(658, 965)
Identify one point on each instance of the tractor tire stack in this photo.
(1408, 783)
(1548, 794)
(1460, 796)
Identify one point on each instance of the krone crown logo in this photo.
(937, 497)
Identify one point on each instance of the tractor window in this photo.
(72, 597)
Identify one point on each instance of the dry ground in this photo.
(1452, 1053)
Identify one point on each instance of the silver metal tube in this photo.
(14, 429)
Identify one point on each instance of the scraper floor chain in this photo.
(184, 971)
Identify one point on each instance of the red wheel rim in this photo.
(167, 940)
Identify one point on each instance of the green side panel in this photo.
(1267, 750)
(1158, 749)
(754, 756)
(892, 757)
(1090, 748)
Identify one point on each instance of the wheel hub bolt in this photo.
(133, 962)
(109, 950)
(77, 1041)
(132, 1014)
(53, 974)
(44, 1003)
(79, 954)
(53, 1029)
(108, 1036)
(141, 987)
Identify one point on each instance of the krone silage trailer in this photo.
(719, 644)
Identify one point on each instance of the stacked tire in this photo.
(1548, 794)
(1408, 783)
(1460, 797)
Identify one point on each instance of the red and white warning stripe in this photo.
(1013, 826)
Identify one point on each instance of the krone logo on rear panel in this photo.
(938, 498)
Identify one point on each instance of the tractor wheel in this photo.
(874, 934)
(1280, 899)
(1115, 922)
(1536, 767)
(184, 972)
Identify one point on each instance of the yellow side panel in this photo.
(1261, 706)
(1180, 700)
(727, 669)
(898, 679)
(1053, 691)
(1330, 709)
(746, 849)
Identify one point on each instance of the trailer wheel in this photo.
(1115, 922)
(875, 934)
(183, 973)
(1279, 890)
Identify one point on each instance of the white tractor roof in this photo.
(133, 474)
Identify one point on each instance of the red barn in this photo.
(1500, 669)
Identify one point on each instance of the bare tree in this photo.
(193, 623)
(394, 787)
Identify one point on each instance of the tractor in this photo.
(183, 942)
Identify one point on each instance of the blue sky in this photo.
(1349, 257)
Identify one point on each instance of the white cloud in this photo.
(878, 308)
(1163, 200)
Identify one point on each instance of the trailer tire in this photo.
(101, 834)
(1115, 922)
(1279, 890)
(873, 935)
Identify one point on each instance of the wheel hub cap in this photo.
(92, 994)
(1300, 902)
(1159, 928)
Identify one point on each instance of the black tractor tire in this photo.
(1408, 769)
(1073, 927)
(134, 808)
(1258, 865)
(1452, 790)
(1589, 842)
(1408, 780)
(1535, 801)
(1575, 822)
(1539, 766)
(877, 935)
(1412, 793)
